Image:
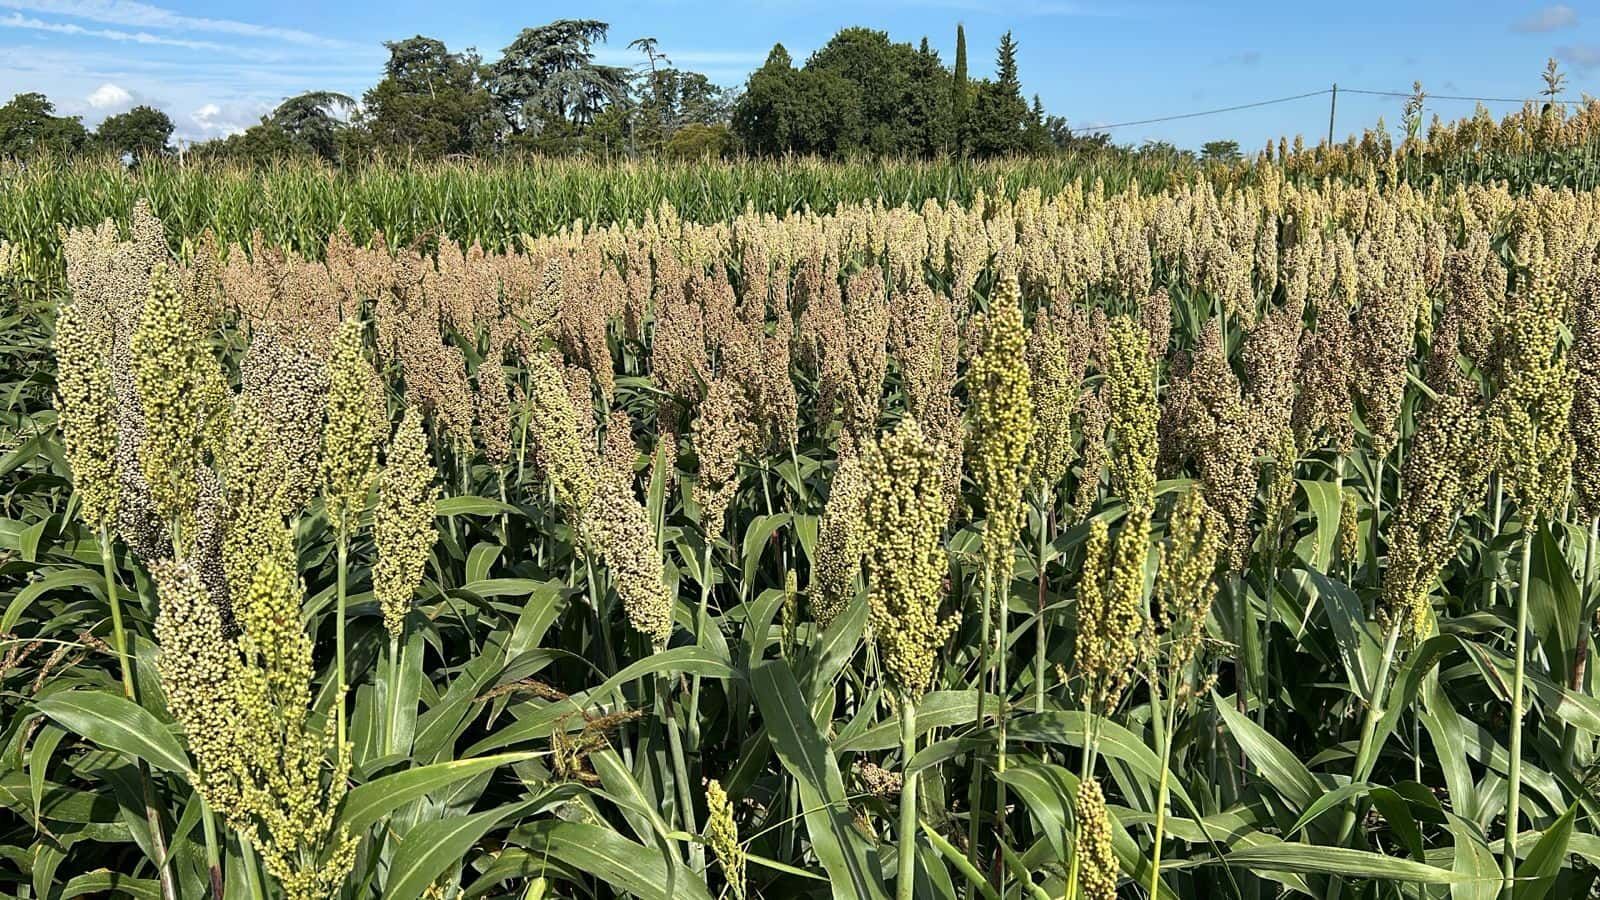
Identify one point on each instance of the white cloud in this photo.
(109, 96)
(1550, 18)
(144, 15)
(29, 23)
(214, 119)
(1584, 56)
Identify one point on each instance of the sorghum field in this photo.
(1011, 531)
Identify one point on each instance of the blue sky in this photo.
(216, 67)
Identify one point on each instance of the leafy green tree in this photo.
(960, 92)
(431, 102)
(1219, 151)
(29, 125)
(785, 109)
(139, 132)
(548, 76)
(698, 141)
(312, 121)
(999, 120)
(927, 105)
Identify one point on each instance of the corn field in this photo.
(1226, 538)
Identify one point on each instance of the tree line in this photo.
(861, 94)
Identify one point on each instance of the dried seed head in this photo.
(561, 443)
(841, 542)
(906, 563)
(1185, 584)
(176, 377)
(720, 435)
(1447, 464)
(402, 526)
(620, 528)
(1323, 405)
(1348, 542)
(492, 402)
(205, 682)
(289, 385)
(1533, 407)
(1586, 395)
(1058, 354)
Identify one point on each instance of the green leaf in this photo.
(117, 723)
(1538, 871)
(629, 866)
(1480, 876)
(55, 581)
(473, 506)
(807, 757)
(1275, 761)
(1553, 603)
(432, 847)
(1324, 499)
(1314, 859)
(367, 803)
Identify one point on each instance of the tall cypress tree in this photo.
(958, 91)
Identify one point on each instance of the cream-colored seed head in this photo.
(998, 382)
(353, 430)
(403, 524)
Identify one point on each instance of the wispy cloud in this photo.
(1550, 18)
(18, 20)
(1242, 58)
(1584, 56)
(130, 13)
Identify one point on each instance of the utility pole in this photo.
(1333, 104)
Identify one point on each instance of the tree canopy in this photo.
(862, 93)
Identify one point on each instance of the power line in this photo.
(1323, 92)
(1208, 112)
(1456, 97)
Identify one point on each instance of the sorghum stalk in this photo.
(701, 622)
(1162, 788)
(1041, 637)
(1369, 724)
(1580, 652)
(342, 550)
(108, 567)
(1514, 772)
(906, 872)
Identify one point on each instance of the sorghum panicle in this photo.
(403, 523)
(906, 562)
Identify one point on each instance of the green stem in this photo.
(905, 879)
(1002, 699)
(253, 871)
(1580, 652)
(702, 621)
(680, 771)
(391, 743)
(119, 640)
(975, 786)
(1162, 788)
(1365, 750)
(1041, 637)
(213, 854)
(339, 662)
(1514, 773)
